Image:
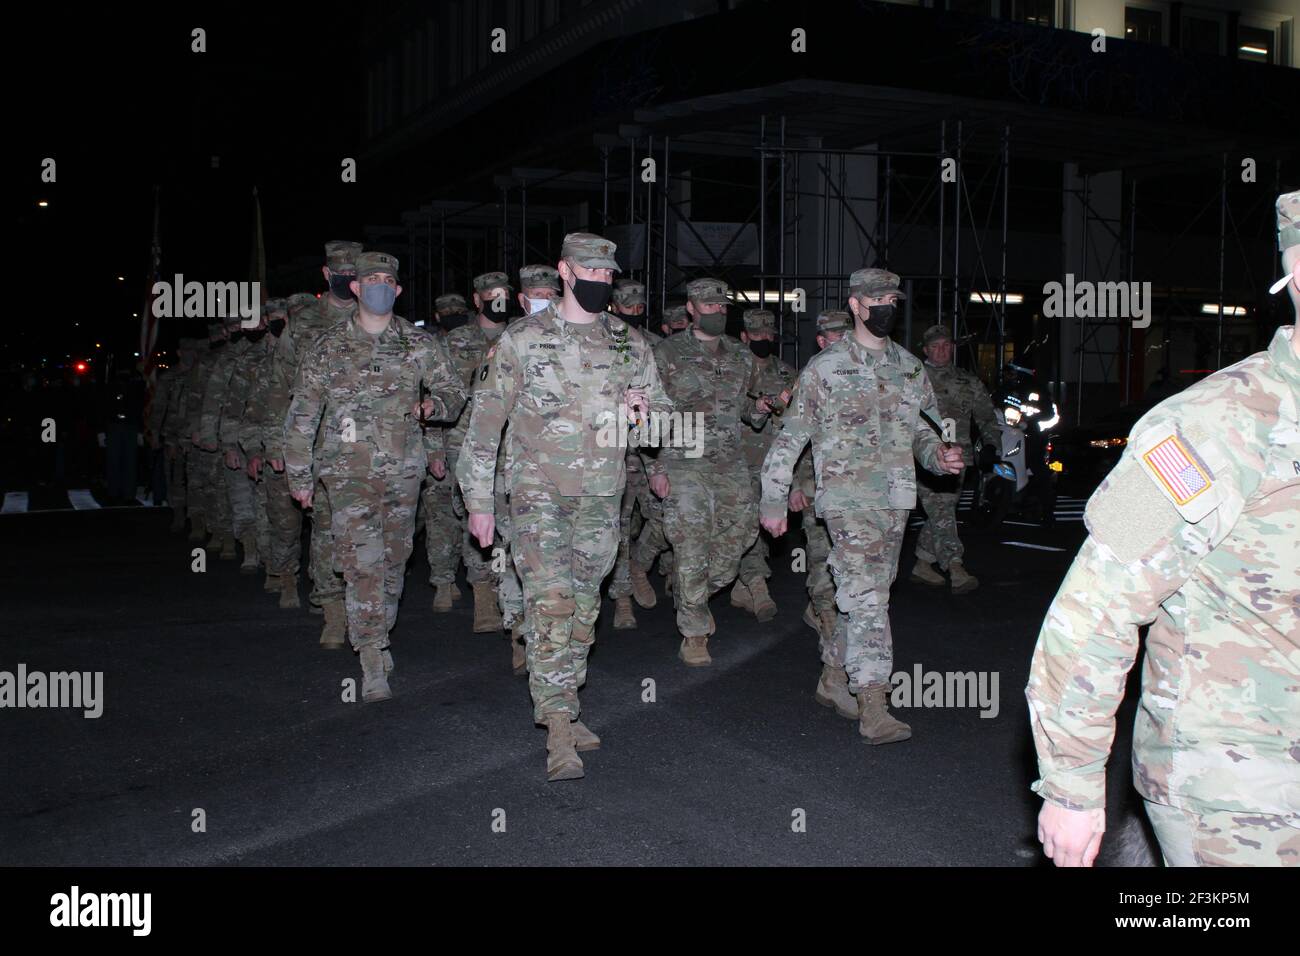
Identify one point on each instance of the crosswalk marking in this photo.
(15, 503)
(82, 499)
(1036, 547)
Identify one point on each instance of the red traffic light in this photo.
(81, 368)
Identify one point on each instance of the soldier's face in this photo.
(764, 336)
(538, 292)
(825, 339)
(630, 309)
(939, 352)
(487, 302)
(705, 308)
(578, 271)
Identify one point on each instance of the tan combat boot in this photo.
(487, 617)
(251, 559)
(923, 573)
(874, 722)
(694, 651)
(444, 596)
(518, 653)
(624, 618)
(562, 760)
(810, 617)
(584, 739)
(642, 589)
(228, 552)
(333, 635)
(829, 618)
(197, 529)
(741, 597)
(833, 691)
(962, 582)
(374, 679)
(271, 583)
(764, 607)
(289, 591)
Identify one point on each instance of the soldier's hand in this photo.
(303, 498)
(255, 467)
(1070, 837)
(438, 469)
(232, 461)
(194, 439)
(774, 526)
(637, 404)
(798, 500)
(659, 485)
(482, 527)
(764, 404)
(424, 410)
(950, 460)
(277, 465)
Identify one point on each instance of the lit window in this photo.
(1143, 26)
(1255, 44)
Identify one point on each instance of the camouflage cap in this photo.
(628, 292)
(492, 280)
(299, 301)
(341, 255)
(450, 300)
(934, 333)
(707, 291)
(539, 276)
(1288, 221)
(834, 320)
(275, 305)
(590, 250)
(676, 313)
(759, 320)
(369, 263)
(874, 282)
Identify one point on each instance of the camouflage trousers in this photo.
(446, 534)
(326, 584)
(216, 497)
(865, 544)
(753, 563)
(820, 586)
(637, 497)
(938, 539)
(284, 518)
(710, 518)
(373, 527)
(198, 498)
(1223, 838)
(510, 593)
(563, 546)
(176, 476)
(262, 522)
(240, 494)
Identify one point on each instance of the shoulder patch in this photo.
(1179, 472)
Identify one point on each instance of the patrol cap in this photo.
(275, 305)
(450, 300)
(1288, 221)
(834, 320)
(934, 333)
(369, 263)
(492, 280)
(759, 320)
(538, 276)
(707, 291)
(676, 313)
(299, 301)
(628, 292)
(588, 249)
(874, 282)
(341, 255)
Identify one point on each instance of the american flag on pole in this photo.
(1177, 470)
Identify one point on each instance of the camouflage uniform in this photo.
(216, 386)
(862, 414)
(360, 391)
(1195, 533)
(960, 395)
(558, 386)
(242, 490)
(167, 424)
(709, 514)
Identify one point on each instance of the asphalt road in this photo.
(215, 699)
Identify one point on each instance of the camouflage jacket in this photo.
(360, 391)
(1196, 531)
(468, 346)
(195, 383)
(165, 384)
(300, 333)
(173, 423)
(771, 378)
(713, 384)
(247, 368)
(961, 394)
(257, 421)
(215, 390)
(863, 417)
(557, 388)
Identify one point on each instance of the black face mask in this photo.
(762, 348)
(216, 344)
(453, 320)
(592, 296)
(236, 336)
(341, 286)
(275, 327)
(255, 335)
(880, 319)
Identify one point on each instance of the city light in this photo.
(1212, 308)
(992, 298)
(42, 204)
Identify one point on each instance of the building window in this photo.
(1039, 13)
(1144, 25)
(1256, 44)
(1202, 35)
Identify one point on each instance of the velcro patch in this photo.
(1182, 476)
(1129, 515)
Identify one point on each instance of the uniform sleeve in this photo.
(749, 413)
(447, 392)
(925, 443)
(214, 393)
(279, 387)
(252, 423)
(232, 409)
(303, 418)
(1140, 550)
(494, 398)
(194, 398)
(982, 406)
(778, 466)
(805, 479)
(647, 379)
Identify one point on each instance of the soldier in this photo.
(1193, 533)
(167, 422)
(960, 395)
(701, 473)
(359, 383)
(772, 379)
(629, 303)
(199, 501)
(860, 402)
(558, 378)
(450, 311)
(215, 388)
(539, 286)
(242, 490)
(676, 319)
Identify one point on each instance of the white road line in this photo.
(1036, 547)
(15, 503)
(82, 499)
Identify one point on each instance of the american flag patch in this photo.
(1175, 468)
